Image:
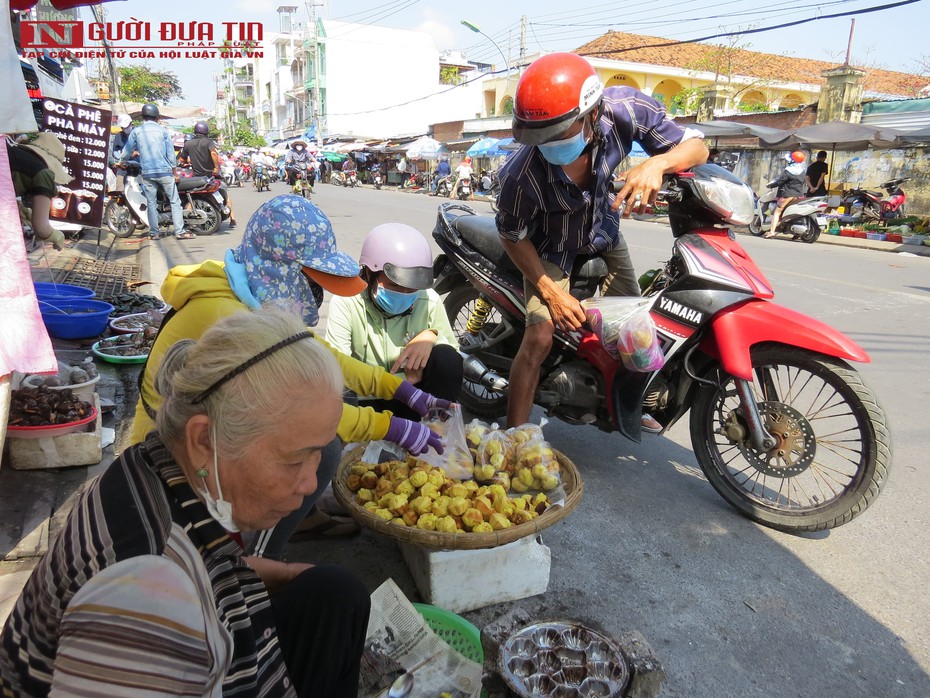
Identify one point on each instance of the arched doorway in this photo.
(506, 106)
(791, 101)
(666, 90)
(754, 99)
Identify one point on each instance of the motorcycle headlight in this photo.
(724, 193)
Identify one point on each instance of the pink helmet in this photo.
(401, 252)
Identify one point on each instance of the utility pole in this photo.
(852, 30)
(522, 37)
(317, 107)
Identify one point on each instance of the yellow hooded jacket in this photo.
(201, 295)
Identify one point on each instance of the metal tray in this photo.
(563, 659)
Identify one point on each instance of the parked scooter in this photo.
(871, 204)
(782, 426)
(490, 188)
(203, 202)
(803, 218)
(337, 177)
(375, 172)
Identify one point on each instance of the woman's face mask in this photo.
(393, 302)
(566, 151)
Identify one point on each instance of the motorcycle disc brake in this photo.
(795, 442)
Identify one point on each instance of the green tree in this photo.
(449, 75)
(243, 134)
(139, 83)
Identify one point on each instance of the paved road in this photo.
(730, 608)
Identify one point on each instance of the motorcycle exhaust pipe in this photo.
(476, 372)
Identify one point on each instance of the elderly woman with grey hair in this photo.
(146, 590)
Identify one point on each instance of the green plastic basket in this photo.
(464, 637)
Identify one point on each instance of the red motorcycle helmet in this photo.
(552, 94)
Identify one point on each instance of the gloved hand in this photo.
(418, 400)
(413, 436)
(56, 237)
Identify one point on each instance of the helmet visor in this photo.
(418, 278)
(531, 132)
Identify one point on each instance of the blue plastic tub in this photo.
(48, 290)
(75, 318)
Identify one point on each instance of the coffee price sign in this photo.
(85, 132)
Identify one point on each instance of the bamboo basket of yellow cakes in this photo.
(487, 489)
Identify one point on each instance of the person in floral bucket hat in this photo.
(288, 257)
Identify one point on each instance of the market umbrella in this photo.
(835, 135)
(720, 127)
(482, 148)
(425, 148)
(919, 136)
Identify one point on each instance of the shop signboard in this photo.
(84, 130)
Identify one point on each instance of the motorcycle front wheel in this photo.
(118, 219)
(477, 399)
(755, 225)
(833, 449)
(213, 218)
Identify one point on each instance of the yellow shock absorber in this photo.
(479, 315)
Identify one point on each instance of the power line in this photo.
(759, 30)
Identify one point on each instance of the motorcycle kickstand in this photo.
(762, 439)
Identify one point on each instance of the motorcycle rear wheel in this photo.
(834, 446)
(813, 232)
(118, 219)
(212, 223)
(480, 401)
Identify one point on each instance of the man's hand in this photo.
(275, 574)
(567, 313)
(643, 182)
(413, 357)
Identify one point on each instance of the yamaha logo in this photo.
(683, 312)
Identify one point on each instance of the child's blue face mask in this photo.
(394, 302)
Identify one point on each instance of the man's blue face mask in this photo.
(394, 302)
(566, 151)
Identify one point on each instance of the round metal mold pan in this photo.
(563, 659)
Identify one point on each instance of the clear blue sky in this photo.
(894, 38)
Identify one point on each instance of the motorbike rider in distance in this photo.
(443, 169)
(554, 202)
(297, 161)
(200, 154)
(462, 172)
(791, 185)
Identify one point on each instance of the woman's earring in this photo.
(202, 473)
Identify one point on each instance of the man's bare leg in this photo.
(524, 376)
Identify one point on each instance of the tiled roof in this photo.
(637, 48)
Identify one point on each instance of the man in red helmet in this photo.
(554, 202)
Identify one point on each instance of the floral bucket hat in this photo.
(289, 253)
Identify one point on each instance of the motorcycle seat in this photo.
(481, 233)
(190, 183)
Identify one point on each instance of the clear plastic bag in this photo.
(456, 459)
(638, 344)
(474, 433)
(536, 468)
(495, 455)
(606, 316)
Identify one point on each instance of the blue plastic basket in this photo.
(74, 318)
(45, 290)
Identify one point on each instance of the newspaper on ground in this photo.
(399, 640)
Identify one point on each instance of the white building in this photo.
(360, 80)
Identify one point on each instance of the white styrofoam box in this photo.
(462, 580)
(78, 448)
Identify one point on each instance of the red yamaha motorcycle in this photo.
(781, 424)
